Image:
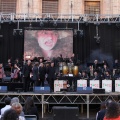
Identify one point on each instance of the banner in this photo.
(107, 85)
(95, 83)
(117, 85)
(58, 84)
(81, 83)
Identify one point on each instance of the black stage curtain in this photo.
(84, 46)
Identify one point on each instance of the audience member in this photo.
(10, 115)
(7, 105)
(18, 108)
(30, 108)
(14, 100)
(112, 112)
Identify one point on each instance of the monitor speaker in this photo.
(65, 113)
(3, 89)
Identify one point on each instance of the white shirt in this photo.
(21, 118)
(4, 109)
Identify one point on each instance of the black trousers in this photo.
(51, 84)
(26, 83)
(40, 82)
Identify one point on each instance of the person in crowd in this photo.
(10, 115)
(27, 69)
(112, 112)
(14, 100)
(42, 73)
(18, 108)
(2, 72)
(30, 108)
(51, 71)
(100, 114)
(15, 73)
(7, 105)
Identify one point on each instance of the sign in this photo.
(58, 84)
(107, 85)
(81, 83)
(117, 85)
(95, 83)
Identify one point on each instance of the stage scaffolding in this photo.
(60, 18)
(63, 99)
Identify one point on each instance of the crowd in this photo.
(13, 109)
(109, 111)
(35, 72)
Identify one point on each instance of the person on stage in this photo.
(51, 71)
(27, 69)
(42, 73)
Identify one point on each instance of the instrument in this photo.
(65, 70)
(75, 70)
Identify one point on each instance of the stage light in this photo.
(14, 32)
(41, 24)
(55, 24)
(20, 32)
(30, 25)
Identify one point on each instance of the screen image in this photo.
(48, 43)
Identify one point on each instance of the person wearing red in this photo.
(112, 112)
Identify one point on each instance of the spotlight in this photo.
(75, 32)
(20, 32)
(41, 24)
(81, 33)
(14, 32)
(30, 25)
(55, 24)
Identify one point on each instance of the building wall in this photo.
(35, 6)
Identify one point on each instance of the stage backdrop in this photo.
(48, 43)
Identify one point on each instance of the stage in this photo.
(71, 98)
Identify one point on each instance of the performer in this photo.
(42, 73)
(2, 73)
(35, 75)
(74, 59)
(15, 73)
(27, 69)
(51, 76)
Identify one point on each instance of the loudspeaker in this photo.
(99, 91)
(3, 89)
(65, 113)
(42, 90)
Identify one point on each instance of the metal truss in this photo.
(60, 18)
(61, 98)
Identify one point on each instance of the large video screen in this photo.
(48, 43)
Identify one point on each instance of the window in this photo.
(49, 6)
(92, 7)
(8, 6)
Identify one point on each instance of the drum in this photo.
(65, 70)
(75, 70)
